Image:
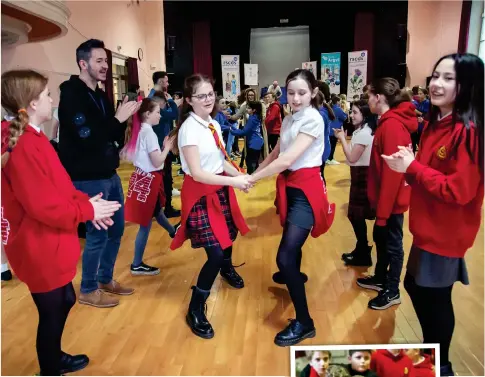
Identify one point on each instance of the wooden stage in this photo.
(147, 335)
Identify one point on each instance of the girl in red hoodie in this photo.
(387, 190)
(210, 213)
(446, 177)
(273, 119)
(301, 195)
(40, 231)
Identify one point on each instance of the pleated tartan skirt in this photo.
(198, 226)
(359, 206)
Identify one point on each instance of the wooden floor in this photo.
(147, 335)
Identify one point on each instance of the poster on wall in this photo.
(230, 76)
(357, 73)
(331, 71)
(251, 74)
(311, 66)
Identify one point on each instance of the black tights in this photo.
(360, 230)
(434, 309)
(288, 260)
(216, 259)
(53, 308)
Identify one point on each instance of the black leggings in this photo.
(288, 260)
(216, 259)
(434, 309)
(53, 308)
(272, 141)
(333, 145)
(252, 159)
(360, 230)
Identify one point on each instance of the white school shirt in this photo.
(363, 136)
(310, 122)
(195, 131)
(146, 143)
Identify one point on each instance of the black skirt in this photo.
(359, 206)
(300, 212)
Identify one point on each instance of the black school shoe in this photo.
(232, 277)
(446, 370)
(7, 275)
(371, 282)
(279, 279)
(176, 226)
(294, 333)
(358, 257)
(70, 364)
(385, 299)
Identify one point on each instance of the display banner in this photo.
(251, 74)
(230, 76)
(357, 73)
(311, 66)
(331, 71)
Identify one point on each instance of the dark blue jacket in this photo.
(167, 116)
(252, 131)
(326, 120)
(340, 117)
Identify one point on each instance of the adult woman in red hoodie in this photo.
(40, 236)
(211, 218)
(446, 177)
(301, 195)
(387, 190)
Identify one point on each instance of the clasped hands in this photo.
(244, 182)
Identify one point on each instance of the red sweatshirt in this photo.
(447, 190)
(386, 364)
(387, 190)
(310, 181)
(273, 119)
(192, 191)
(41, 210)
(424, 368)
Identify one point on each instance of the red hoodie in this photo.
(425, 368)
(386, 364)
(447, 190)
(41, 210)
(273, 119)
(387, 190)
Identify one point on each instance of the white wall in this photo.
(278, 51)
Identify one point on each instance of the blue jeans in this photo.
(142, 236)
(102, 246)
(230, 141)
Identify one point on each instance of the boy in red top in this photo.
(273, 120)
(387, 190)
(446, 178)
(423, 367)
(392, 363)
(40, 212)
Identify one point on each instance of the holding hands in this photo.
(103, 210)
(400, 161)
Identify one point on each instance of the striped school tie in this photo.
(221, 147)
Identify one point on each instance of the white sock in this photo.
(4, 267)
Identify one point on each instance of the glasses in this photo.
(204, 97)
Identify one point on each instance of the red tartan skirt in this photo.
(198, 226)
(359, 206)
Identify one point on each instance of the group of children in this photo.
(446, 178)
(371, 363)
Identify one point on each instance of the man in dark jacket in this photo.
(91, 135)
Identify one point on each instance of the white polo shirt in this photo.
(146, 143)
(195, 131)
(363, 136)
(310, 122)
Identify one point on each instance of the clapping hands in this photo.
(400, 161)
(103, 210)
(339, 133)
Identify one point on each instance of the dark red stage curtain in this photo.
(466, 10)
(364, 39)
(201, 48)
(108, 84)
(132, 66)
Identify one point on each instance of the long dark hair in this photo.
(368, 117)
(322, 102)
(190, 86)
(258, 109)
(389, 87)
(468, 105)
(310, 79)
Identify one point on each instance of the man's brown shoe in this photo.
(116, 288)
(98, 299)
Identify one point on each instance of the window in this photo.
(120, 82)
